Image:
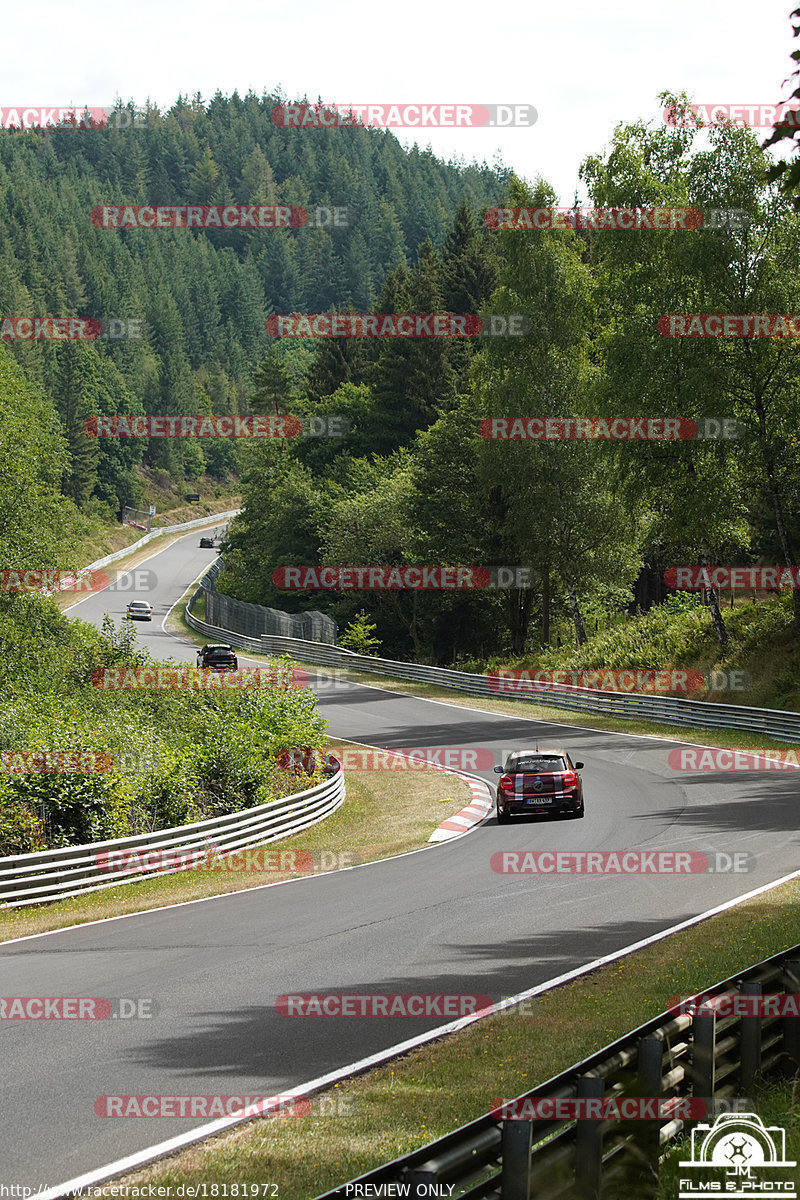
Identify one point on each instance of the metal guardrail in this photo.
(702, 1056)
(666, 710)
(157, 533)
(74, 870)
(240, 640)
(253, 620)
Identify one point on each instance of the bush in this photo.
(175, 757)
(358, 635)
(681, 602)
(21, 831)
(77, 808)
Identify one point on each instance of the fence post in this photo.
(704, 1064)
(650, 1071)
(750, 1050)
(515, 1178)
(589, 1142)
(791, 1025)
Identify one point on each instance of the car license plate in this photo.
(539, 800)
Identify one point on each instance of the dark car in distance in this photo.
(534, 782)
(206, 543)
(217, 657)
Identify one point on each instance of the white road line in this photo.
(124, 1165)
(141, 563)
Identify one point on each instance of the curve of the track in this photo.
(438, 921)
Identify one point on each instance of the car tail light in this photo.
(570, 779)
(507, 783)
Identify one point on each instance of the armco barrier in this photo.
(72, 871)
(157, 533)
(702, 1056)
(665, 710)
(251, 621)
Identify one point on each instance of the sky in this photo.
(584, 67)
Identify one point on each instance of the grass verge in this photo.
(776, 1104)
(525, 710)
(424, 1094)
(385, 813)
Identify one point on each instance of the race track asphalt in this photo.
(436, 921)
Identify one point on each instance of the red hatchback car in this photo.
(539, 781)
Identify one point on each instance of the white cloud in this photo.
(584, 66)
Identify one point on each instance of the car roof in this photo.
(218, 646)
(542, 751)
(145, 603)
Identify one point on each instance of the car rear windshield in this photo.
(221, 654)
(538, 764)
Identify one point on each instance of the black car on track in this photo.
(217, 657)
(534, 782)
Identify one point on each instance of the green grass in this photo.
(762, 642)
(776, 1104)
(402, 1106)
(385, 813)
(550, 713)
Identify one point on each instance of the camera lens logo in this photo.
(746, 1149)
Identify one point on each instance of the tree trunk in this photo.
(713, 606)
(777, 507)
(786, 546)
(575, 608)
(410, 625)
(545, 607)
(519, 616)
